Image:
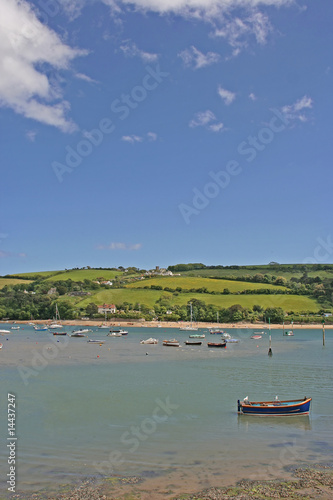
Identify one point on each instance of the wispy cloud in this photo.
(86, 78)
(227, 96)
(25, 46)
(132, 139)
(130, 49)
(120, 246)
(252, 96)
(206, 119)
(5, 255)
(192, 57)
(296, 111)
(31, 135)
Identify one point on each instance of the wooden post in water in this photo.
(283, 328)
(323, 332)
(270, 352)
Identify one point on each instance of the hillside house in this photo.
(107, 308)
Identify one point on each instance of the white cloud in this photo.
(295, 111)
(227, 96)
(132, 138)
(130, 49)
(31, 135)
(206, 119)
(86, 78)
(26, 44)
(120, 246)
(152, 136)
(193, 57)
(252, 96)
(5, 255)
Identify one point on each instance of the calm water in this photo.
(126, 408)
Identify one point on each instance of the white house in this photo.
(107, 308)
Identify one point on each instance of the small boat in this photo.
(171, 343)
(14, 327)
(56, 325)
(216, 344)
(78, 334)
(197, 336)
(149, 341)
(189, 328)
(114, 334)
(1, 346)
(93, 341)
(5, 331)
(122, 332)
(256, 337)
(40, 328)
(276, 407)
(229, 339)
(216, 331)
(289, 333)
(59, 333)
(193, 342)
(82, 330)
(103, 326)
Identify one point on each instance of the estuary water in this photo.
(122, 408)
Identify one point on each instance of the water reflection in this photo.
(302, 422)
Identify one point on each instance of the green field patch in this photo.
(12, 281)
(85, 274)
(296, 303)
(37, 274)
(282, 271)
(212, 285)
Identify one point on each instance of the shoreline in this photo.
(175, 324)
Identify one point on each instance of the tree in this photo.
(91, 309)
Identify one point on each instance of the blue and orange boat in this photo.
(276, 407)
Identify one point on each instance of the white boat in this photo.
(114, 334)
(197, 336)
(5, 331)
(189, 328)
(103, 326)
(15, 328)
(1, 346)
(56, 325)
(171, 343)
(82, 330)
(122, 332)
(93, 341)
(40, 328)
(149, 341)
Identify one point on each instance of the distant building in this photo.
(52, 291)
(109, 283)
(107, 308)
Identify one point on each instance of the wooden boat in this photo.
(171, 343)
(215, 331)
(149, 341)
(276, 407)
(59, 333)
(216, 344)
(256, 337)
(193, 342)
(197, 336)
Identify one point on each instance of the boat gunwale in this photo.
(277, 404)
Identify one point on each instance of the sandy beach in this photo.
(178, 324)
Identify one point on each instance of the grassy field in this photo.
(12, 281)
(296, 303)
(31, 276)
(243, 271)
(197, 282)
(86, 274)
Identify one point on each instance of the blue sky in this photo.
(153, 132)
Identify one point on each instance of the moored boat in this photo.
(40, 328)
(276, 407)
(59, 333)
(1, 346)
(256, 337)
(122, 332)
(216, 331)
(78, 334)
(192, 342)
(289, 334)
(14, 327)
(95, 341)
(216, 344)
(149, 341)
(5, 331)
(197, 336)
(171, 343)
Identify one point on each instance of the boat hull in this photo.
(195, 342)
(221, 345)
(293, 407)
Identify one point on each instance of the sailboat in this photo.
(216, 331)
(104, 325)
(57, 318)
(190, 328)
